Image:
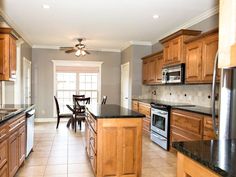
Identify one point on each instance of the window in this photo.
(66, 87)
(88, 85)
(69, 84)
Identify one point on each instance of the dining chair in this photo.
(80, 112)
(59, 114)
(104, 99)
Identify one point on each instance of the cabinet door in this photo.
(145, 71)
(176, 50)
(3, 153)
(167, 53)
(193, 61)
(4, 57)
(87, 136)
(12, 59)
(152, 70)
(135, 105)
(159, 65)
(209, 49)
(3, 171)
(13, 154)
(22, 137)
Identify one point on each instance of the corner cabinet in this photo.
(114, 146)
(152, 68)
(174, 46)
(200, 57)
(7, 55)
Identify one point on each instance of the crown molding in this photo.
(193, 21)
(130, 43)
(91, 49)
(10, 22)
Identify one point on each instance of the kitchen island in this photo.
(211, 158)
(114, 140)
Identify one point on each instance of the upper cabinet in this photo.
(152, 68)
(174, 46)
(227, 34)
(200, 57)
(7, 55)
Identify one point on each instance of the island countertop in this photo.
(217, 155)
(99, 111)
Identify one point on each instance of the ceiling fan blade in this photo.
(87, 52)
(71, 50)
(66, 48)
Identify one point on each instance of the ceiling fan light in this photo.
(83, 52)
(78, 53)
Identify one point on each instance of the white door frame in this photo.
(81, 64)
(26, 61)
(129, 102)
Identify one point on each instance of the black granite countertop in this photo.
(16, 109)
(217, 155)
(198, 109)
(181, 106)
(112, 111)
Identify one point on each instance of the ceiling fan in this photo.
(79, 49)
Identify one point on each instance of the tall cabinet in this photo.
(7, 55)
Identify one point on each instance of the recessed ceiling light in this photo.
(155, 16)
(46, 6)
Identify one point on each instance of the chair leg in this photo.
(58, 121)
(75, 125)
(68, 123)
(80, 125)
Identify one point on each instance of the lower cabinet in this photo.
(188, 126)
(12, 146)
(186, 167)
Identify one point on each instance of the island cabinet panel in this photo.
(116, 149)
(3, 153)
(186, 167)
(4, 171)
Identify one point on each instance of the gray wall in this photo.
(42, 78)
(205, 25)
(133, 55)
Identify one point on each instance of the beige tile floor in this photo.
(61, 153)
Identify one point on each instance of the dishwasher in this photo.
(30, 115)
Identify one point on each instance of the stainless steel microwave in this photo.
(173, 74)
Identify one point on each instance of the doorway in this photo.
(26, 81)
(125, 85)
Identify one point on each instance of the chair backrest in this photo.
(82, 100)
(57, 105)
(77, 96)
(104, 99)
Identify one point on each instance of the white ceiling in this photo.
(107, 24)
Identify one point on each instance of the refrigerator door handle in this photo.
(213, 95)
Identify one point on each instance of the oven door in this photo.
(159, 122)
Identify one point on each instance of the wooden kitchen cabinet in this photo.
(135, 105)
(200, 57)
(209, 133)
(7, 55)
(145, 109)
(186, 126)
(4, 171)
(152, 68)
(194, 62)
(13, 154)
(174, 46)
(187, 167)
(22, 142)
(114, 146)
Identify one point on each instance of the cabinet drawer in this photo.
(135, 106)
(180, 135)
(3, 132)
(146, 124)
(208, 128)
(3, 153)
(187, 121)
(144, 109)
(15, 124)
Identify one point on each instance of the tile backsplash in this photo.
(191, 94)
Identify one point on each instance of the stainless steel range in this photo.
(160, 125)
(160, 122)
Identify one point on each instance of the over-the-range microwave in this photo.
(173, 74)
